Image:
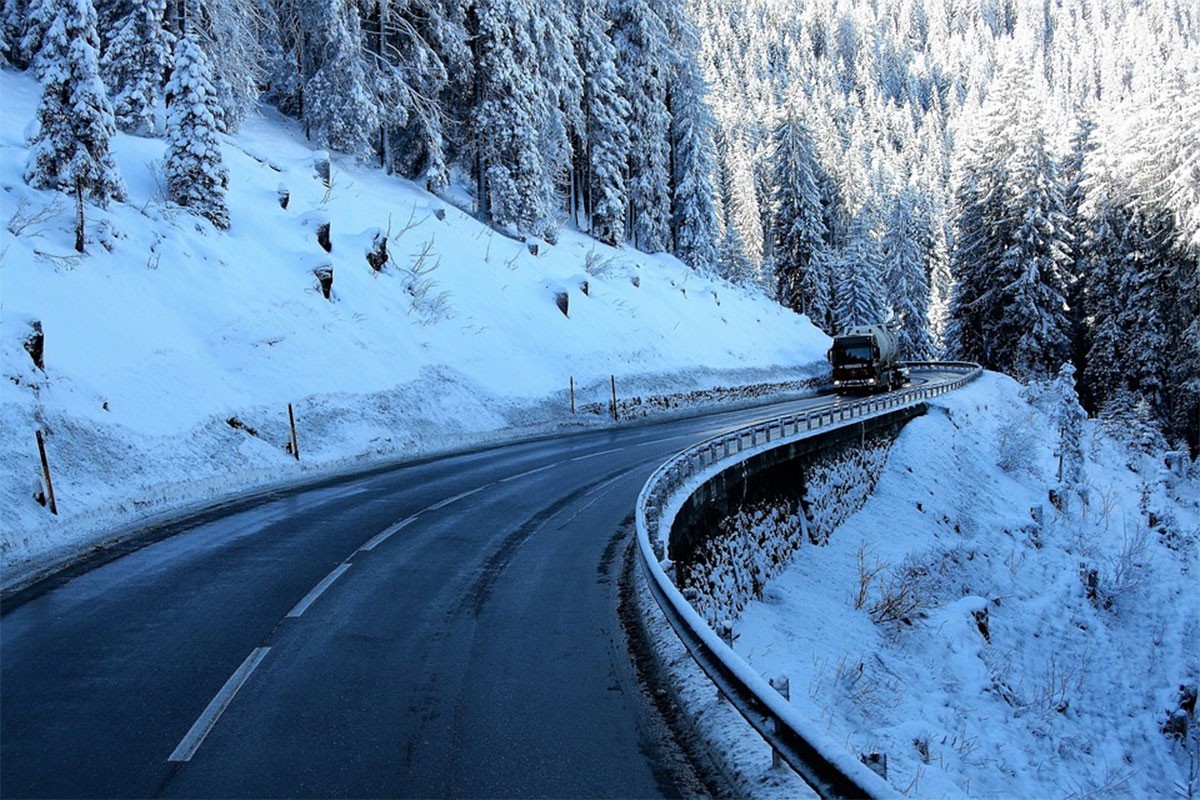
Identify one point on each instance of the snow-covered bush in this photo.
(1016, 443)
(756, 543)
(836, 488)
(732, 567)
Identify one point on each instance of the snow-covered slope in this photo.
(168, 334)
(1012, 673)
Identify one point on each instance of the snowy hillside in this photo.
(172, 349)
(987, 655)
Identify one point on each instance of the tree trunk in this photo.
(79, 220)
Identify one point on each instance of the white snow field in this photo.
(1065, 696)
(168, 334)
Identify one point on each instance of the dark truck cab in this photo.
(864, 358)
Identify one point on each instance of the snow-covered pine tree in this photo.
(135, 65)
(694, 221)
(1074, 177)
(340, 110)
(71, 149)
(229, 34)
(644, 62)
(798, 230)
(905, 255)
(505, 119)
(29, 22)
(12, 16)
(984, 226)
(606, 145)
(555, 33)
(195, 172)
(732, 262)
(1033, 335)
(859, 299)
(743, 207)
(418, 62)
(1068, 418)
(1104, 280)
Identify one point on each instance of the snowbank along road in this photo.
(442, 629)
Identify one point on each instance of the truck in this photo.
(866, 358)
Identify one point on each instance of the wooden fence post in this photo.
(46, 472)
(295, 443)
(572, 394)
(613, 378)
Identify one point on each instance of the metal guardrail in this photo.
(830, 770)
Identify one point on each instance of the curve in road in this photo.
(443, 629)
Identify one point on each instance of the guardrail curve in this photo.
(823, 764)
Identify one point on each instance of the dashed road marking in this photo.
(664, 441)
(597, 455)
(443, 503)
(383, 536)
(317, 591)
(527, 473)
(216, 707)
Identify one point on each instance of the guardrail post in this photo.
(782, 685)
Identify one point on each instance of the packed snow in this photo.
(173, 349)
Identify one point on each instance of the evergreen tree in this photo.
(605, 144)
(340, 109)
(196, 176)
(798, 231)
(732, 262)
(644, 62)
(692, 125)
(560, 79)
(12, 29)
(71, 149)
(136, 63)
(505, 118)
(29, 23)
(905, 253)
(1104, 285)
(1068, 418)
(859, 298)
(228, 31)
(1076, 225)
(1033, 334)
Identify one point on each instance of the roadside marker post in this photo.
(41, 442)
(295, 443)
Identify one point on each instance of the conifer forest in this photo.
(1011, 182)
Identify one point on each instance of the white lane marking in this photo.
(527, 473)
(597, 455)
(216, 707)
(317, 591)
(382, 537)
(664, 441)
(443, 503)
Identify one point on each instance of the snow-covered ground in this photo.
(1006, 676)
(172, 350)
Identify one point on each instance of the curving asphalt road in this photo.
(443, 629)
